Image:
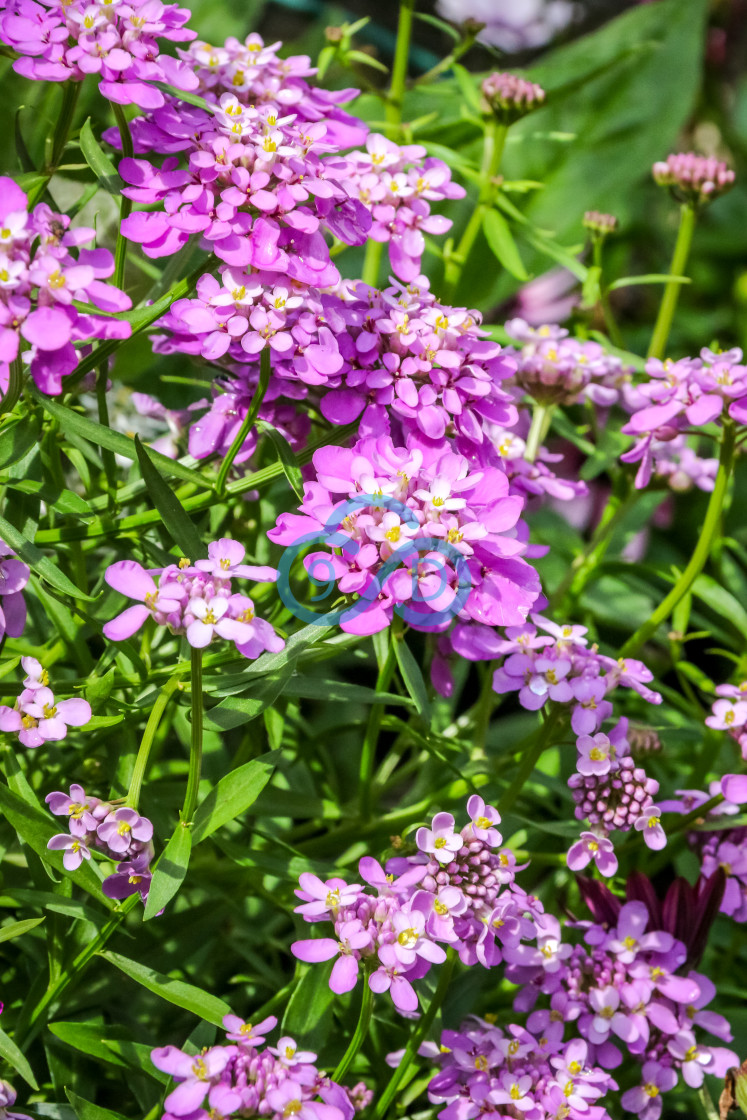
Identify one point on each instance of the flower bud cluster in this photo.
(554, 368)
(692, 178)
(510, 97)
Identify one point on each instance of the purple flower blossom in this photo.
(649, 823)
(592, 847)
(37, 718)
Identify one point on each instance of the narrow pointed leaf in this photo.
(186, 996)
(412, 677)
(13, 1056)
(501, 241)
(233, 795)
(170, 871)
(98, 161)
(45, 568)
(174, 516)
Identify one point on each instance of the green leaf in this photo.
(177, 521)
(238, 710)
(286, 457)
(117, 442)
(181, 994)
(98, 161)
(17, 437)
(315, 688)
(170, 871)
(501, 241)
(13, 1056)
(86, 1038)
(648, 278)
(233, 795)
(7, 933)
(468, 86)
(136, 1055)
(64, 501)
(440, 24)
(412, 677)
(39, 563)
(309, 1010)
(85, 1110)
(710, 592)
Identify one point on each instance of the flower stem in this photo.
(265, 369)
(373, 727)
(660, 337)
(575, 579)
(154, 719)
(416, 1037)
(359, 1037)
(195, 753)
(125, 206)
(493, 144)
(372, 262)
(396, 94)
(540, 426)
(542, 739)
(702, 548)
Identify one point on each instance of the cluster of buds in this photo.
(693, 179)
(509, 97)
(116, 830)
(599, 225)
(36, 717)
(196, 601)
(554, 368)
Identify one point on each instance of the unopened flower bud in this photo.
(692, 178)
(333, 34)
(599, 225)
(509, 97)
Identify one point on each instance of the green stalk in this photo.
(416, 1038)
(372, 262)
(265, 370)
(70, 93)
(141, 762)
(107, 456)
(15, 384)
(373, 727)
(125, 206)
(395, 98)
(493, 144)
(540, 426)
(575, 579)
(702, 548)
(542, 740)
(195, 753)
(26, 1033)
(604, 299)
(359, 1037)
(660, 337)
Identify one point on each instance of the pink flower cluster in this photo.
(485, 1071)
(458, 890)
(65, 40)
(680, 466)
(241, 1079)
(554, 368)
(418, 531)
(14, 575)
(398, 184)
(721, 850)
(511, 97)
(196, 601)
(687, 393)
(558, 665)
(692, 178)
(729, 713)
(263, 178)
(36, 717)
(39, 280)
(625, 991)
(397, 355)
(116, 830)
